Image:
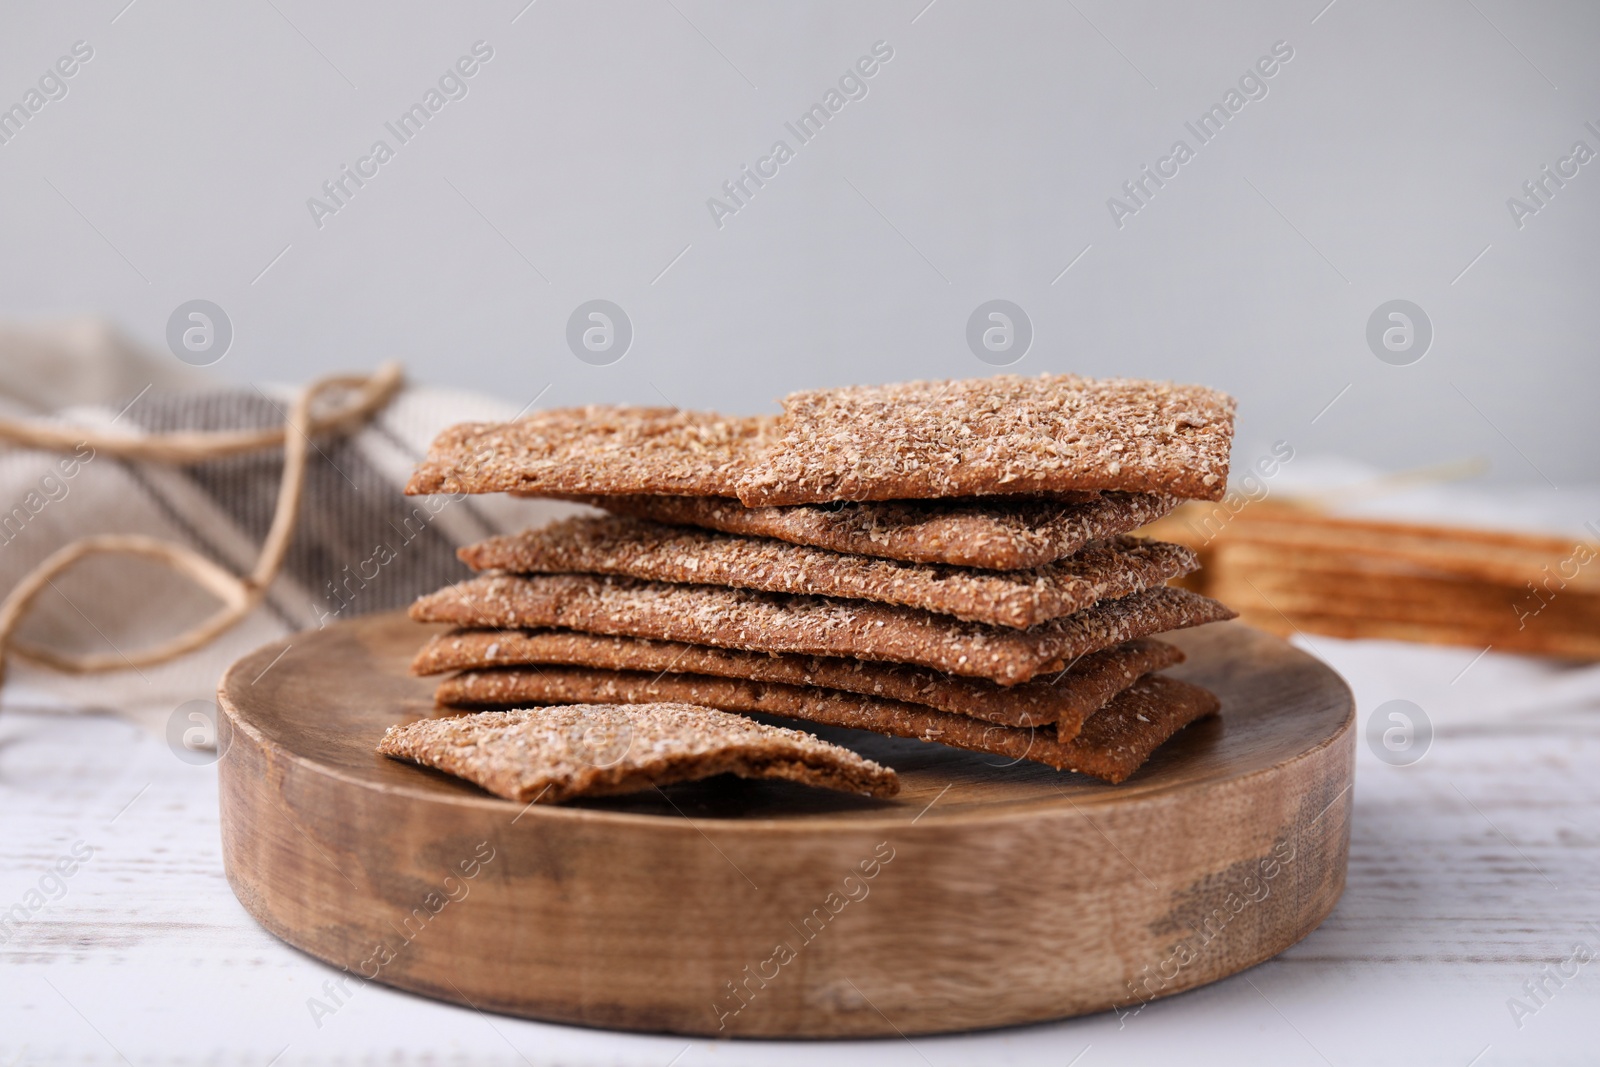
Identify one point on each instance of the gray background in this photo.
(978, 167)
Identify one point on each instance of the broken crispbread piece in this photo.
(599, 449)
(637, 548)
(1005, 434)
(1110, 745)
(1065, 699)
(995, 533)
(544, 755)
(813, 626)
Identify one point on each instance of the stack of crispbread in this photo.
(947, 561)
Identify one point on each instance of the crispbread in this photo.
(817, 626)
(1111, 745)
(1065, 699)
(548, 754)
(1004, 434)
(996, 533)
(600, 449)
(638, 548)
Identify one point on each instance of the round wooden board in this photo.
(988, 893)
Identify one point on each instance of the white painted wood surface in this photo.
(1471, 871)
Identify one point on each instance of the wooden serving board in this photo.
(988, 893)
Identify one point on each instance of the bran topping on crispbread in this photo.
(1062, 698)
(1111, 744)
(1005, 434)
(543, 755)
(599, 449)
(995, 533)
(816, 626)
(638, 548)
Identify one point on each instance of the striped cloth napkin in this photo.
(360, 545)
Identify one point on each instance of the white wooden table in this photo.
(1471, 872)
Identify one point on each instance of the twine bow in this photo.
(368, 395)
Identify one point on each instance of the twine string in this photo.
(367, 394)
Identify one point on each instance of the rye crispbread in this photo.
(638, 548)
(1111, 744)
(1065, 699)
(1005, 434)
(544, 755)
(995, 533)
(814, 626)
(600, 449)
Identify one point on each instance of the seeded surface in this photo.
(1057, 698)
(1111, 744)
(996, 532)
(1004, 434)
(598, 449)
(637, 548)
(816, 626)
(543, 755)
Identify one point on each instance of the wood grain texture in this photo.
(1446, 912)
(1290, 568)
(983, 896)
